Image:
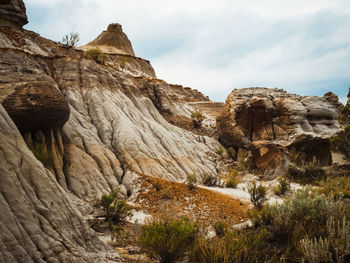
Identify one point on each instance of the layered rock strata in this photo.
(113, 40)
(268, 122)
(13, 13)
(112, 130)
(38, 222)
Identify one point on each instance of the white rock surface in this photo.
(38, 223)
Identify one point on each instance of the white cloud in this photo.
(215, 46)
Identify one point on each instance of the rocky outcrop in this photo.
(267, 122)
(118, 52)
(334, 100)
(13, 13)
(38, 222)
(176, 104)
(33, 104)
(113, 40)
(86, 128)
(112, 129)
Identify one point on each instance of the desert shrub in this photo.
(167, 239)
(341, 142)
(344, 118)
(122, 61)
(232, 179)
(197, 118)
(42, 155)
(335, 247)
(308, 173)
(96, 54)
(335, 187)
(166, 194)
(191, 180)
(236, 246)
(282, 187)
(220, 151)
(157, 186)
(220, 228)
(257, 194)
(210, 180)
(303, 215)
(116, 209)
(70, 40)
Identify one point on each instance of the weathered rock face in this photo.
(29, 95)
(113, 40)
(38, 222)
(13, 13)
(176, 103)
(268, 121)
(113, 132)
(112, 129)
(34, 105)
(119, 53)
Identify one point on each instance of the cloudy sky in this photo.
(302, 46)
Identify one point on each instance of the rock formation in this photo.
(80, 130)
(267, 122)
(13, 13)
(72, 129)
(113, 40)
(38, 221)
(113, 130)
(119, 53)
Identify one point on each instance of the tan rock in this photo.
(113, 40)
(266, 121)
(38, 222)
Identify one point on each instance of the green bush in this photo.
(282, 187)
(191, 180)
(287, 232)
(70, 40)
(96, 54)
(42, 155)
(236, 246)
(122, 60)
(308, 173)
(167, 240)
(345, 116)
(166, 194)
(197, 118)
(233, 179)
(220, 228)
(303, 215)
(257, 194)
(335, 187)
(116, 209)
(341, 142)
(220, 151)
(210, 180)
(335, 247)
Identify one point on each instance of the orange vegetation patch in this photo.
(157, 196)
